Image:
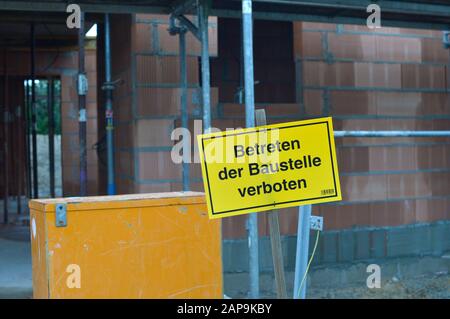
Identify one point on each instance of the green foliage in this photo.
(41, 89)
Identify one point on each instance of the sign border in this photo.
(327, 121)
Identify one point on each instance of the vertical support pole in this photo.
(301, 258)
(5, 139)
(247, 31)
(108, 87)
(82, 91)
(184, 107)
(33, 112)
(203, 26)
(19, 157)
(27, 141)
(51, 134)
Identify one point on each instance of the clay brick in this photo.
(353, 159)
(378, 75)
(157, 165)
(434, 51)
(395, 103)
(322, 74)
(364, 188)
(279, 109)
(409, 185)
(288, 221)
(143, 37)
(166, 101)
(297, 34)
(313, 102)
(318, 26)
(352, 103)
(124, 186)
(423, 210)
(152, 188)
(162, 101)
(123, 135)
(392, 213)
(124, 163)
(352, 46)
(393, 158)
(390, 48)
(308, 45)
(423, 76)
(158, 69)
(440, 184)
(153, 132)
(234, 227)
(197, 187)
(435, 103)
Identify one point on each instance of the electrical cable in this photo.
(309, 263)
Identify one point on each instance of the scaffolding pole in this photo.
(82, 117)
(27, 151)
(18, 163)
(6, 118)
(252, 221)
(206, 98)
(51, 134)
(33, 112)
(391, 133)
(301, 255)
(184, 107)
(109, 87)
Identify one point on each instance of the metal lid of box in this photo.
(118, 201)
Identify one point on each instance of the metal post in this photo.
(391, 133)
(82, 91)
(18, 164)
(301, 258)
(33, 112)
(109, 87)
(184, 107)
(51, 134)
(26, 112)
(203, 26)
(252, 222)
(5, 139)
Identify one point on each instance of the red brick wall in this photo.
(147, 104)
(388, 79)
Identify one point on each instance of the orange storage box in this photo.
(128, 246)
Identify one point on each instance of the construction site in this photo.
(92, 93)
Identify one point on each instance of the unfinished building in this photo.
(396, 190)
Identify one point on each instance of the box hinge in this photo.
(61, 215)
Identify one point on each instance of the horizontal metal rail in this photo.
(392, 133)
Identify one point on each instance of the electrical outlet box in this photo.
(316, 222)
(446, 39)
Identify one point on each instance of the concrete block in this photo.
(362, 244)
(378, 243)
(329, 251)
(346, 246)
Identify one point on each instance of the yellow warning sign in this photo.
(268, 167)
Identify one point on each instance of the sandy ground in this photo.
(433, 286)
(43, 166)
